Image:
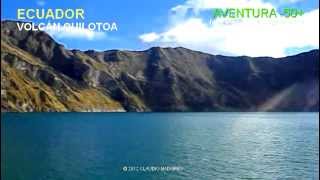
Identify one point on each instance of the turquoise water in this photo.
(102, 146)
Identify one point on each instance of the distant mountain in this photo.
(39, 74)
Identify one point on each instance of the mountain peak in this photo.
(38, 74)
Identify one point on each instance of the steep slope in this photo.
(41, 75)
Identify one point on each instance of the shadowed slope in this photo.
(157, 79)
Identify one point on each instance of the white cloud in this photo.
(149, 37)
(250, 36)
(290, 1)
(74, 33)
(41, 3)
(200, 5)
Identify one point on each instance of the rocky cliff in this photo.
(39, 74)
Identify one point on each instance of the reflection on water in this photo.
(207, 145)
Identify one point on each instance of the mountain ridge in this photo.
(156, 79)
(7, 21)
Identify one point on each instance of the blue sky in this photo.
(145, 23)
(132, 18)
